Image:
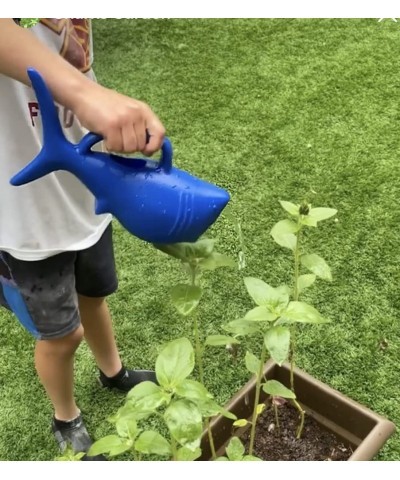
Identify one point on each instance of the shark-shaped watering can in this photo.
(153, 200)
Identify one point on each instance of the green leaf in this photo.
(290, 208)
(151, 442)
(176, 250)
(28, 22)
(260, 408)
(187, 251)
(277, 341)
(216, 260)
(235, 449)
(127, 428)
(70, 456)
(276, 389)
(265, 295)
(111, 444)
(184, 454)
(130, 411)
(184, 421)
(185, 298)
(222, 459)
(319, 214)
(242, 422)
(143, 390)
(286, 241)
(252, 363)
(316, 265)
(283, 292)
(175, 363)
(310, 222)
(283, 234)
(258, 290)
(227, 414)
(202, 248)
(210, 408)
(193, 390)
(147, 396)
(305, 281)
(303, 313)
(242, 327)
(260, 314)
(218, 340)
(251, 458)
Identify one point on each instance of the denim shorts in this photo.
(43, 294)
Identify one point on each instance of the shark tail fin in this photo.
(56, 147)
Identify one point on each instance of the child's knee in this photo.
(74, 338)
(66, 345)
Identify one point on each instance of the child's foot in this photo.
(73, 434)
(125, 379)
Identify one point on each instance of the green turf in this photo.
(269, 109)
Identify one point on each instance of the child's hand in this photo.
(121, 120)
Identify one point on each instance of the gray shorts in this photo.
(43, 294)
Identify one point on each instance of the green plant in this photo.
(179, 402)
(28, 22)
(279, 309)
(235, 451)
(196, 258)
(70, 456)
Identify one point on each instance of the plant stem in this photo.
(199, 361)
(256, 400)
(296, 298)
(193, 270)
(198, 348)
(302, 414)
(136, 455)
(174, 449)
(277, 418)
(210, 439)
(297, 265)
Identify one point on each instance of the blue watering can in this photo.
(153, 200)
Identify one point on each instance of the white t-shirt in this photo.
(55, 213)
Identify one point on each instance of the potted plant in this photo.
(325, 424)
(281, 410)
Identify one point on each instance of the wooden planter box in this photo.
(365, 431)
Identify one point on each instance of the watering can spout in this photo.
(154, 201)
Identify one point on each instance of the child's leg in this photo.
(43, 297)
(54, 361)
(96, 278)
(99, 335)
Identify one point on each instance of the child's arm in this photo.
(121, 120)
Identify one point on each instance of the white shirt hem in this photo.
(34, 255)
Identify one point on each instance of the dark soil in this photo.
(315, 444)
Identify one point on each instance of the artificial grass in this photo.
(270, 109)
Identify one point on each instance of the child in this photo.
(56, 255)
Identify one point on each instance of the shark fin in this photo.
(57, 152)
(34, 170)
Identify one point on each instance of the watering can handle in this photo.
(90, 139)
